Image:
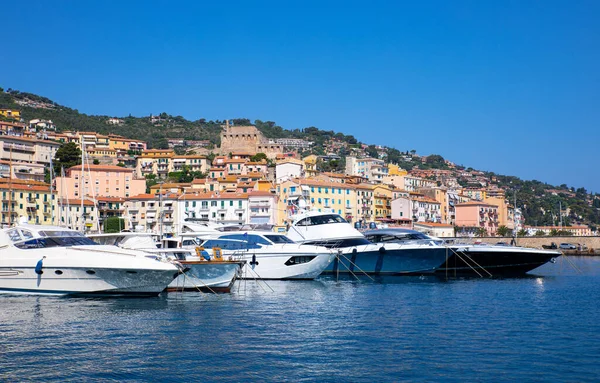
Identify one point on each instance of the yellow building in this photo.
(318, 195)
(121, 143)
(365, 202)
(10, 113)
(29, 199)
(395, 170)
(382, 198)
(155, 161)
(503, 208)
(310, 166)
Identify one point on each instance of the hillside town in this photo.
(249, 179)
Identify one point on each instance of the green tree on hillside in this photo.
(258, 157)
(67, 155)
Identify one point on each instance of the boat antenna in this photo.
(81, 182)
(51, 191)
(10, 188)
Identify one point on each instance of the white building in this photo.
(153, 213)
(288, 169)
(262, 207)
(371, 168)
(418, 209)
(412, 183)
(229, 208)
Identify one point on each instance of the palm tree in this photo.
(481, 232)
(503, 231)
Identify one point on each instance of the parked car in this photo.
(550, 246)
(567, 246)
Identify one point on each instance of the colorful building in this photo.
(99, 181)
(473, 216)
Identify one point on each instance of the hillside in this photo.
(539, 201)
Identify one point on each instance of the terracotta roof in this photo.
(426, 199)
(171, 185)
(102, 168)
(259, 193)
(74, 202)
(433, 224)
(213, 195)
(313, 182)
(16, 181)
(475, 203)
(236, 161)
(22, 187)
(110, 199)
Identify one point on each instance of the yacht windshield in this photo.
(321, 220)
(61, 233)
(55, 242)
(278, 238)
(339, 243)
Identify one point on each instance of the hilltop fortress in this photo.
(247, 139)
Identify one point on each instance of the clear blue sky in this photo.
(506, 86)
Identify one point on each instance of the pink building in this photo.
(99, 181)
(473, 215)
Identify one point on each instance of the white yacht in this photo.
(358, 255)
(202, 272)
(52, 260)
(268, 255)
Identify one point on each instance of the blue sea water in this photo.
(539, 328)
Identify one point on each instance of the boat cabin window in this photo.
(278, 239)
(250, 238)
(229, 244)
(14, 235)
(321, 220)
(26, 234)
(38, 243)
(189, 242)
(377, 238)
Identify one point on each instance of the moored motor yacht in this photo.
(358, 255)
(268, 255)
(52, 260)
(473, 260)
(202, 271)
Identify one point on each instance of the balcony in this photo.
(19, 148)
(110, 208)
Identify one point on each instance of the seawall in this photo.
(537, 242)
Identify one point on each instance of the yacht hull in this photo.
(79, 281)
(213, 276)
(498, 262)
(273, 265)
(410, 261)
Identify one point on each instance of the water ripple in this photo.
(403, 329)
